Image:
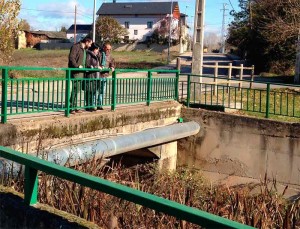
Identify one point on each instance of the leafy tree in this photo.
(63, 29)
(24, 25)
(9, 10)
(109, 29)
(265, 31)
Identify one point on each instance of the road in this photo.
(222, 59)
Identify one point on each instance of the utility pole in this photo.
(94, 22)
(223, 28)
(297, 75)
(198, 38)
(75, 24)
(170, 29)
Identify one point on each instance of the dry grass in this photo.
(59, 59)
(265, 209)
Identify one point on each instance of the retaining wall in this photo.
(242, 146)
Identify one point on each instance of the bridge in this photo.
(38, 111)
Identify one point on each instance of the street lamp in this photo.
(171, 15)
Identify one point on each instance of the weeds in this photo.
(263, 208)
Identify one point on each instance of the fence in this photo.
(33, 95)
(240, 68)
(266, 98)
(34, 164)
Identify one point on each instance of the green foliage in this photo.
(266, 37)
(109, 29)
(9, 10)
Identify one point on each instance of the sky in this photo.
(51, 15)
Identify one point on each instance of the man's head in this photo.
(86, 42)
(107, 48)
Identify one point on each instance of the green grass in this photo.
(284, 103)
(59, 59)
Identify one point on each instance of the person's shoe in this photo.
(78, 111)
(72, 112)
(100, 108)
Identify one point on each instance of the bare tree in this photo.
(211, 41)
(24, 25)
(280, 20)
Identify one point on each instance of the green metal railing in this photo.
(258, 97)
(34, 164)
(52, 94)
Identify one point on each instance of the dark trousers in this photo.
(76, 87)
(90, 87)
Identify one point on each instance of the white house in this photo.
(82, 30)
(142, 18)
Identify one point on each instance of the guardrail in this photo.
(34, 164)
(264, 97)
(33, 95)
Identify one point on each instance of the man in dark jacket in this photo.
(106, 61)
(77, 59)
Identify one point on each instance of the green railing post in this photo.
(177, 86)
(4, 95)
(149, 87)
(68, 92)
(114, 91)
(188, 90)
(31, 185)
(268, 101)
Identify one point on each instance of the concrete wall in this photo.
(242, 146)
(38, 133)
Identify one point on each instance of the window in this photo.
(135, 32)
(127, 24)
(126, 39)
(149, 25)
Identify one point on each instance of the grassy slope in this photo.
(59, 58)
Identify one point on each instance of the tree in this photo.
(265, 32)
(109, 29)
(24, 25)
(211, 41)
(63, 29)
(9, 10)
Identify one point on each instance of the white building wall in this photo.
(139, 23)
(79, 36)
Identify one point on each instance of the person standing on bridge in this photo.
(77, 59)
(90, 85)
(106, 61)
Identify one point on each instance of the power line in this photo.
(231, 5)
(53, 11)
(84, 15)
